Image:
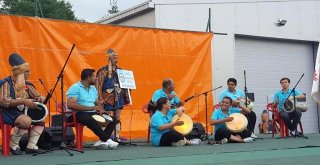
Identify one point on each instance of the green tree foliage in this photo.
(55, 9)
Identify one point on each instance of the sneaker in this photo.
(253, 135)
(195, 141)
(100, 145)
(179, 143)
(248, 140)
(17, 151)
(224, 141)
(112, 144)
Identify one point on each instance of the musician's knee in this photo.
(23, 121)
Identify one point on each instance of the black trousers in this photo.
(170, 137)
(225, 133)
(295, 116)
(85, 118)
(252, 118)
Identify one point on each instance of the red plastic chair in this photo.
(284, 131)
(145, 110)
(6, 135)
(74, 123)
(216, 106)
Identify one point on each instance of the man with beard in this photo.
(82, 97)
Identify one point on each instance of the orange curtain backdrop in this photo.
(151, 54)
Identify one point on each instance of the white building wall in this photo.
(235, 17)
(246, 17)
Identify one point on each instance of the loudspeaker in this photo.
(50, 137)
(197, 131)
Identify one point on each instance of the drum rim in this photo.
(43, 118)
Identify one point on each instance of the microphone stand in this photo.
(206, 136)
(49, 114)
(293, 91)
(60, 79)
(48, 92)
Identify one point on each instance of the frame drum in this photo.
(238, 124)
(37, 114)
(186, 128)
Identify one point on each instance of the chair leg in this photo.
(148, 141)
(6, 133)
(79, 136)
(273, 128)
(282, 127)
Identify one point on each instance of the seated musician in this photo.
(237, 94)
(221, 115)
(265, 126)
(166, 91)
(82, 97)
(16, 93)
(162, 133)
(278, 100)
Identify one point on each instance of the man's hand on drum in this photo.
(171, 96)
(178, 122)
(29, 103)
(235, 103)
(228, 119)
(41, 99)
(99, 109)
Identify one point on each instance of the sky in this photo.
(93, 10)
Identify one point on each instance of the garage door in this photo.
(266, 61)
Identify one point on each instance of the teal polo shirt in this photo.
(282, 96)
(157, 120)
(160, 93)
(233, 95)
(84, 96)
(218, 115)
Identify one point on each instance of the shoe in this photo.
(195, 141)
(253, 135)
(33, 151)
(248, 140)
(224, 141)
(17, 151)
(112, 144)
(179, 143)
(100, 145)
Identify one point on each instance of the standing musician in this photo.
(16, 93)
(108, 86)
(82, 97)
(162, 133)
(167, 91)
(221, 115)
(279, 99)
(236, 95)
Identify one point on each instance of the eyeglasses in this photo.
(231, 84)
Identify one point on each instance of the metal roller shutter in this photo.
(266, 61)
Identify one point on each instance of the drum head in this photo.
(101, 120)
(37, 115)
(186, 128)
(238, 124)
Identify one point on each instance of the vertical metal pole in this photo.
(209, 22)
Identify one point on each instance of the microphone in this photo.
(189, 98)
